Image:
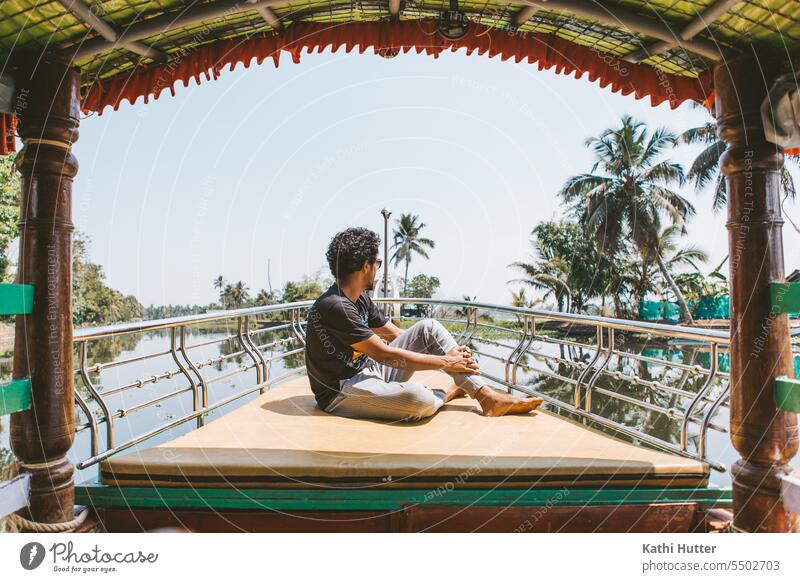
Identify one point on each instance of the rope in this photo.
(61, 527)
(14, 523)
(66, 146)
(45, 465)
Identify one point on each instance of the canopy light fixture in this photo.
(453, 24)
(389, 52)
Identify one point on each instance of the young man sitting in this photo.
(354, 373)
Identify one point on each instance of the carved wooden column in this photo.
(765, 437)
(48, 106)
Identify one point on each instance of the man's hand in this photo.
(460, 349)
(460, 360)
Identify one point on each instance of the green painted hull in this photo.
(100, 496)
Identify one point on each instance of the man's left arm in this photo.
(380, 324)
(388, 332)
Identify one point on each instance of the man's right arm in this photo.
(382, 353)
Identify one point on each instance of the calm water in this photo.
(718, 445)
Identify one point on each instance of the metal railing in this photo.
(581, 373)
(244, 343)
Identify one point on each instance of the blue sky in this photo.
(269, 163)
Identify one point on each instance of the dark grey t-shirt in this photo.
(334, 324)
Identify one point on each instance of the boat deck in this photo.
(281, 440)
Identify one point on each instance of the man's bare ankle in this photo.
(485, 393)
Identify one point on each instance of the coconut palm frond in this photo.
(704, 134)
(706, 165)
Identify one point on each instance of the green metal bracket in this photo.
(784, 297)
(787, 394)
(16, 299)
(15, 396)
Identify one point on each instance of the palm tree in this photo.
(520, 299)
(628, 191)
(408, 242)
(235, 295)
(668, 256)
(549, 275)
(265, 297)
(241, 293)
(705, 168)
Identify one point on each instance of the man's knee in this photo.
(424, 403)
(432, 326)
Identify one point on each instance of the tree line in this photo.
(623, 236)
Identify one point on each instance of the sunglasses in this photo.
(378, 263)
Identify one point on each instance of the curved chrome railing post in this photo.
(700, 395)
(193, 367)
(576, 401)
(243, 334)
(701, 445)
(467, 321)
(295, 319)
(261, 358)
(472, 329)
(92, 422)
(173, 342)
(513, 354)
(600, 369)
(531, 330)
(300, 329)
(97, 396)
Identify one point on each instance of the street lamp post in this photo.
(386, 214)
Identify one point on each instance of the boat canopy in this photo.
(129, 50)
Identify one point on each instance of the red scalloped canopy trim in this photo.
(8, 126)
(387, 38)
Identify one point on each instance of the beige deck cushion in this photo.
(281, 439)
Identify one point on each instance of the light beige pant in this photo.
(381, 391)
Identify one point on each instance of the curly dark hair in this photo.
(349, 249)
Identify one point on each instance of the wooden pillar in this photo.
(48, 107)
(765, 437)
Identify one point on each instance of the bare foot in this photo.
(456, 392)
(494, 403)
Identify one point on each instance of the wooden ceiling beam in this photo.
(620, 17)
(524, 15)
(108, 32)
(268, 15)
(165, 23)
(700, 23)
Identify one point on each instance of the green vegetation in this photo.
(568, 267)
(9, 210)
(423, 286)
(237, 295)
(409, 242)
(622, 238)
(705, 167)
(93, 301)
